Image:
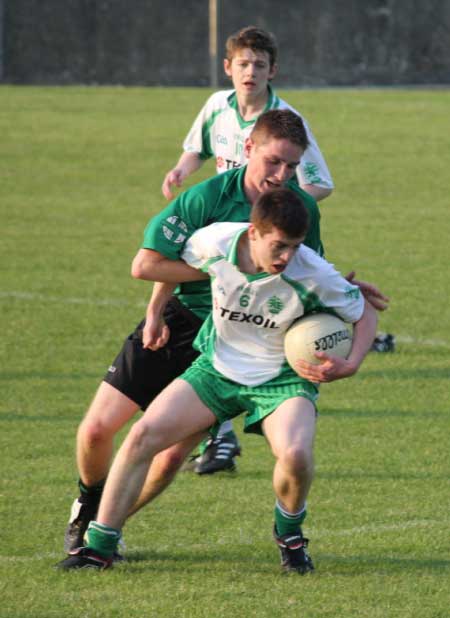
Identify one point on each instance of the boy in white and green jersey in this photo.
(228, 117)
(262, 279)
(243, 335)
(220, 131)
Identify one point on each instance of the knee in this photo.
(297, 459)
(139, 443)
(94, 432)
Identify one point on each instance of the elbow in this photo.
(142, 267)
(322, 193)
(136, 271)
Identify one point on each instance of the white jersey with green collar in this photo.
(219, 131)
(243, 336)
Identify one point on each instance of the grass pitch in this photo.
(80, 175)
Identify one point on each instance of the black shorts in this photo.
(142, 374)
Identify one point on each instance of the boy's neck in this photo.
(251, 107)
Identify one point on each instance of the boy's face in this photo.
(250, 72)
(271, 164)
(272, 251)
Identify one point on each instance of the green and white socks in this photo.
(288, 523)
(102, 539)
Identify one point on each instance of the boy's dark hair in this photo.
(283, 209)
(280, 124)
(255, 39)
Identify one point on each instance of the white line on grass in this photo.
(432, 342)
(112, 302)
(117, 302)
(251, 539)
(404, 525)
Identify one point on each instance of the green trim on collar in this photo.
(233, 103)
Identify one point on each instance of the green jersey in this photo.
(218, 199)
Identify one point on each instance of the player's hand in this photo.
(155, 334)
(330, 368)
(173, 178)
(371, 293)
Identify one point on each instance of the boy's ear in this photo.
(248, 146)
(227, 67)
(251, 232)
(273, 71)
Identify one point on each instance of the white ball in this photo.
(319, 332)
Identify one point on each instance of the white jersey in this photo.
(220, 131)
(243, 336)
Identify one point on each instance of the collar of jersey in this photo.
(235, 185)
(232, 257)
(233, 103)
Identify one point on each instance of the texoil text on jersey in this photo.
(249, 318)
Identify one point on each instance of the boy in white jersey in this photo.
(227, 118)
(262, 280)
(220, 130)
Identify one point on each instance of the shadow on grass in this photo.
(12, 417)
(267, 563)
(379, 565)
(206, 560)
(48, 375)
(366, 475)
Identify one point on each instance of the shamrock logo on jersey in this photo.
(175, 229)
(311, 171)
(275, 304)
(352, 292)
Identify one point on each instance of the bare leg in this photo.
(175, 415)
(108, 412)
(290, 432)
(163, 470)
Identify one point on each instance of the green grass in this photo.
(80, 175)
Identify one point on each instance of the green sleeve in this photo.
(169, 230)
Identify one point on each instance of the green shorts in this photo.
(227, 399)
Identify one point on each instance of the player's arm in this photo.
(156, 333)
(195, 152)
(188, 163)
(318, 192)
(335, 368)
(151, 265)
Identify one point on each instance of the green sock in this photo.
(102, 539)
(288, 523)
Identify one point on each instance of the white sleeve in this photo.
(342, 297)
(313, 169)
(325, 287)
(210, 243)
(198, 248)
(198, 139)
(193, 141)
